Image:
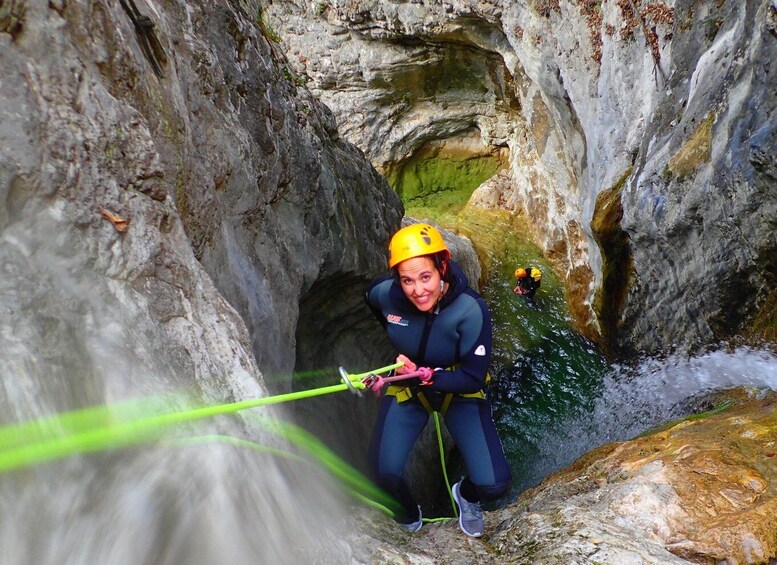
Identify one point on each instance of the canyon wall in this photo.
(641, 139)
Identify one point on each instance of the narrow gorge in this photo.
(193, 196)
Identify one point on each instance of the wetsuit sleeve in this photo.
(470, 375)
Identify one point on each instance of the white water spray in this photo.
(631, 400)
(72, 337)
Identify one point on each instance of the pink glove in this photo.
(408, 367)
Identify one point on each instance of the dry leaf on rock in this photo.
(119, 223)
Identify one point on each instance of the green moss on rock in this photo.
(694, 152)
(764, 325)
(12, 16)
(441, 177)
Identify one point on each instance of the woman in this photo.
(435, 320)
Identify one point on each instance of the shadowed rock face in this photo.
(271, 197)
(281, 201)
(666, 103)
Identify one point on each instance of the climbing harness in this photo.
(402, 393)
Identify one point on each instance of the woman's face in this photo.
(420, 280)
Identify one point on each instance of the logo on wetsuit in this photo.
(394, 319)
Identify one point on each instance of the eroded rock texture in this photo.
(140, 188)
(666, 105)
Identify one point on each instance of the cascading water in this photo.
(72, 338)
(654, 391)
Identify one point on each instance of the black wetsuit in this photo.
(527, 285)
(455, 340)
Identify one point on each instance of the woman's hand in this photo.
(408, 367)
(424, 374)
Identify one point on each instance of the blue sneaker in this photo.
(414, 526)
(470, 514)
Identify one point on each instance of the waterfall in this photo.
(654, 391)
(73, 338)
(624, 401)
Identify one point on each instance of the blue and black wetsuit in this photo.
(455, 340)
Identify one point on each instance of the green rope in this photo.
(442, 463)
(352, 481)
(339, 468)
(380, 371)
(109, 427)
(220, 438)
(99, 428)
(80, 420)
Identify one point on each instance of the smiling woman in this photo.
(420, 257)
(439, 325)
(421, 282)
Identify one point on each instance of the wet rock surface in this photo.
(666, 101)
(701, 490)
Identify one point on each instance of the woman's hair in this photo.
(441, 259)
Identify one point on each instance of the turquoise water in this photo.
(544, 374)
(556, 397)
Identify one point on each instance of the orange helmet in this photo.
(414, 241)
(520, 273)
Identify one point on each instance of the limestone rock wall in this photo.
(665, 105)
(102, 296)
(707, 481)
(183, 206)
(270, 196)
